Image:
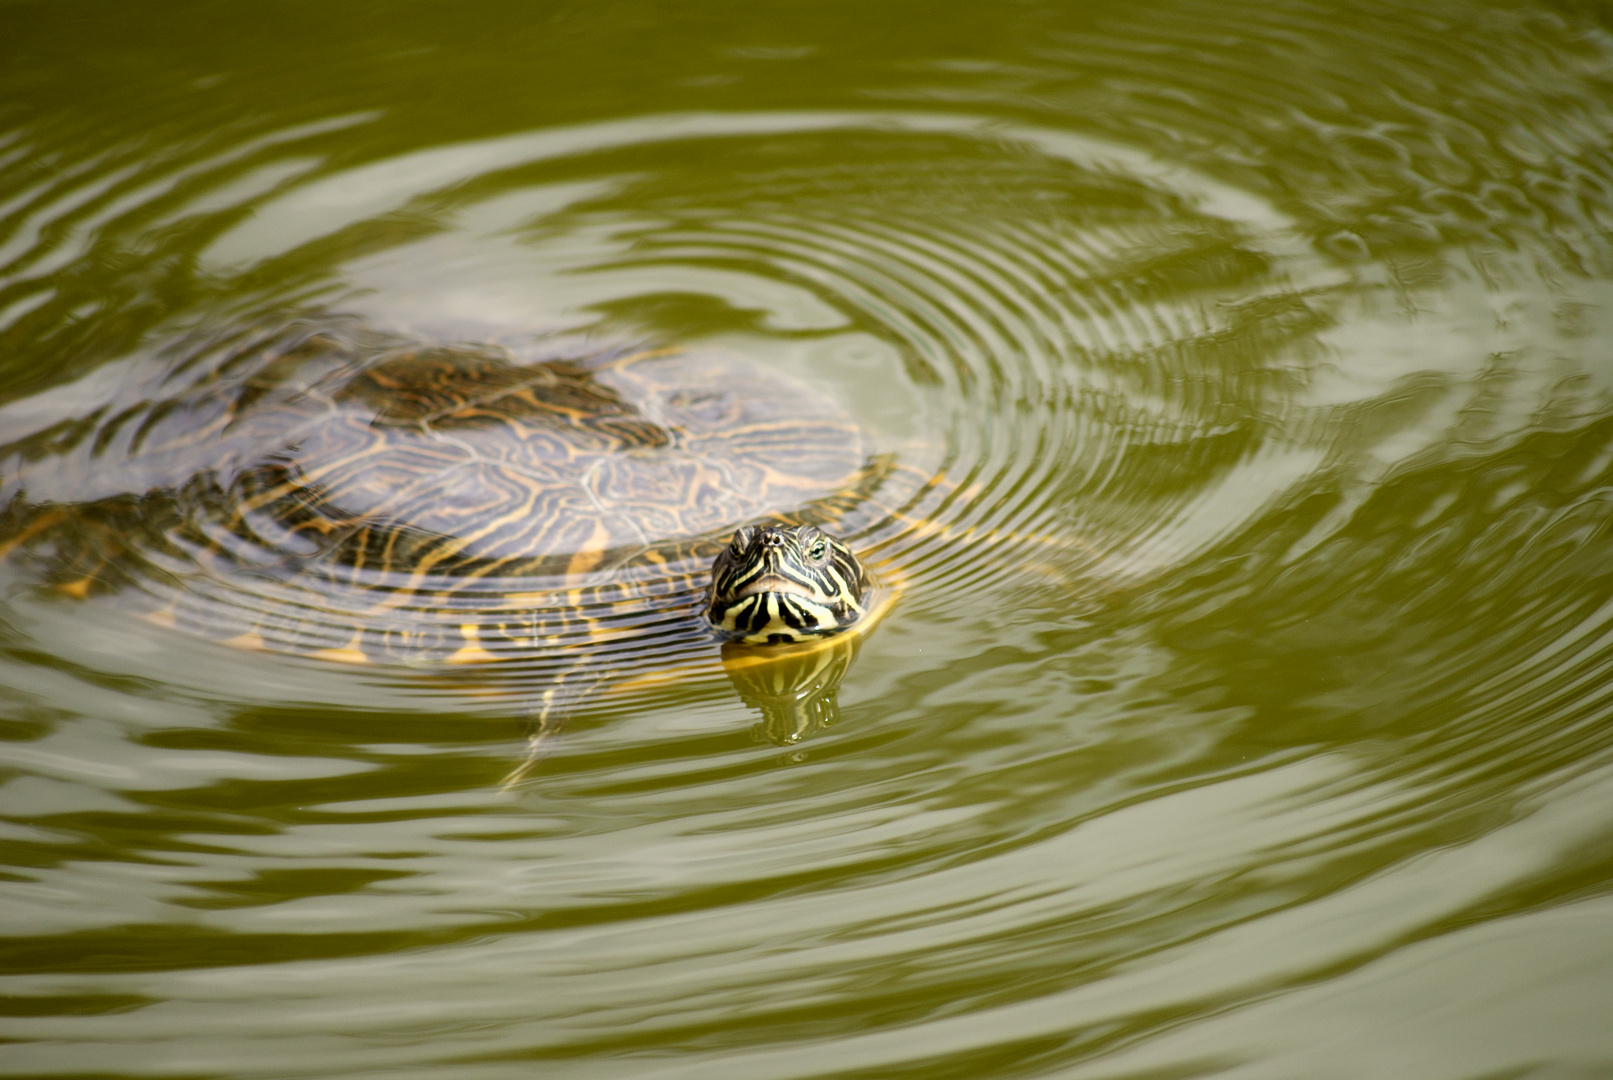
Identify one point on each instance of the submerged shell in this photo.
(435, 459)
(365, 499)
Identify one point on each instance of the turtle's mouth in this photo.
(773, 583)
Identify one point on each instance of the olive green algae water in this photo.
(1247, 708)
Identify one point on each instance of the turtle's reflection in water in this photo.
(794, 687)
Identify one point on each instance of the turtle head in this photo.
(774, 584)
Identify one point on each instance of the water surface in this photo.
(1246, 708)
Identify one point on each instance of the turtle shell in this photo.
(440, 459)
(364, 498)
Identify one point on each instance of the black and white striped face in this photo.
(774, 584)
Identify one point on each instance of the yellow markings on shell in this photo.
(79, 589)
(305, 479)
(633, 358)
(38, 525)
(347, 654)
(340, 656)
(471, 652)
(666, 676)
(589, 554)
(248, 642)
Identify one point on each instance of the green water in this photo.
(1246, 708)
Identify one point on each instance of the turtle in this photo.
(355, 496)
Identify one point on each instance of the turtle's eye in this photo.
(742, 539)
(819, 548)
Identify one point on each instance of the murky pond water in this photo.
(1238, 382)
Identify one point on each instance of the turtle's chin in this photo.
(776, 617)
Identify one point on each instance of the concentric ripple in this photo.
(1024, 276)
